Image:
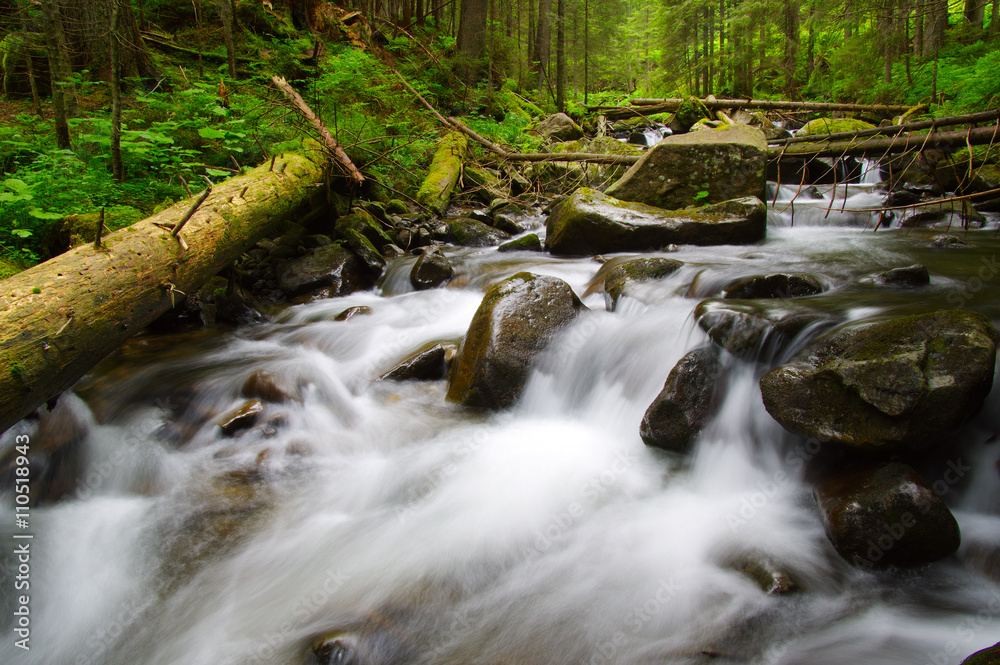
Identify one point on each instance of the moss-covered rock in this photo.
(486, 184)
(886, 515)
(446, 168)
(559, 127)
(889, 386)
(589, 222)
(989, 656)
(526, 243)
(563, 176)
(821, 126)
(697, 168)
(396, 207)
(690, 111)
(365, 250)
(363, 222)
(470, 233)
(515, 321)
(690, 397)
(619, 275)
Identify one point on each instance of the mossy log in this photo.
(444, 172)
(61, 317)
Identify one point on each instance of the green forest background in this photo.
(187, 83)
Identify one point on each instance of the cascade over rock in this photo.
(513, 324)
(589, 222)
(887, 386)
(697, 168)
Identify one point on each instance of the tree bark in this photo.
(58, 72)
(541, 51)
(561, 56)
(36, 100)
(117, 168)
(58, 319)
(791, 44)
(653, 106)
(472, 37)
(226, 13)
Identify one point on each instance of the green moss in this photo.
(35, 289)
(833, 126)
(435, 192)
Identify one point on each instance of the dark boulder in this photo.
(909, 277)
(351, 312)
(689, 398)
(470, 233)
(988, 656)
(270, 387)
(516, 320)
(332, 268)
(778, 285)
(753, 329)
(590, 222)
(427, 364)
(431, 270)
(887, 386)
(886, 515)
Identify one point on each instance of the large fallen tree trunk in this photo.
(891, 130)
(61, 317)
(883, 145)
(652, 106)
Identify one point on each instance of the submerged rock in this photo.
(753, 329)
(697, 168)
(886, 516)
(689, 398)
(909, 277)
(619, 276)
(513, 324)
(242, 417)
(767, 574)
(351, 312)
(270, 387)
(589, 222)
(778, 285)
(887, 386)
(431, 270)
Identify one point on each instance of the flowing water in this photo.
(421, 532)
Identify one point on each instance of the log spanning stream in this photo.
(416, 531)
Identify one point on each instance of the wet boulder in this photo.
(365, 250)
(470, 233)
(241, 417)
(270, 387)
(777, 285)
(689, 398)
(988, 656)
(429, 363)
(431, 270)
(770, 576)
(365, 223)
(886, 515)
(750, 330)
(333, 269)
(351, 312)
(515, 321)
(619, 276)
(697, 168)
(559, 127)
(908, 277)
(958, 214)
(888, 386)
(589, 222)
(527, 243)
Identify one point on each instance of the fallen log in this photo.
(330, 143)
(883, 145)
(951, 121)
(673, 104)
(61, 317)
(443, 174)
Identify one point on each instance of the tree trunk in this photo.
(880, 145)
(935, 24)
(117, 168)
(226, 13)
(975, 13)
(791, 45)
(472, 38)
(60, 90)
(888, 32)
(542, 39)
(561, 55)
(36, 100)
(58, 319)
